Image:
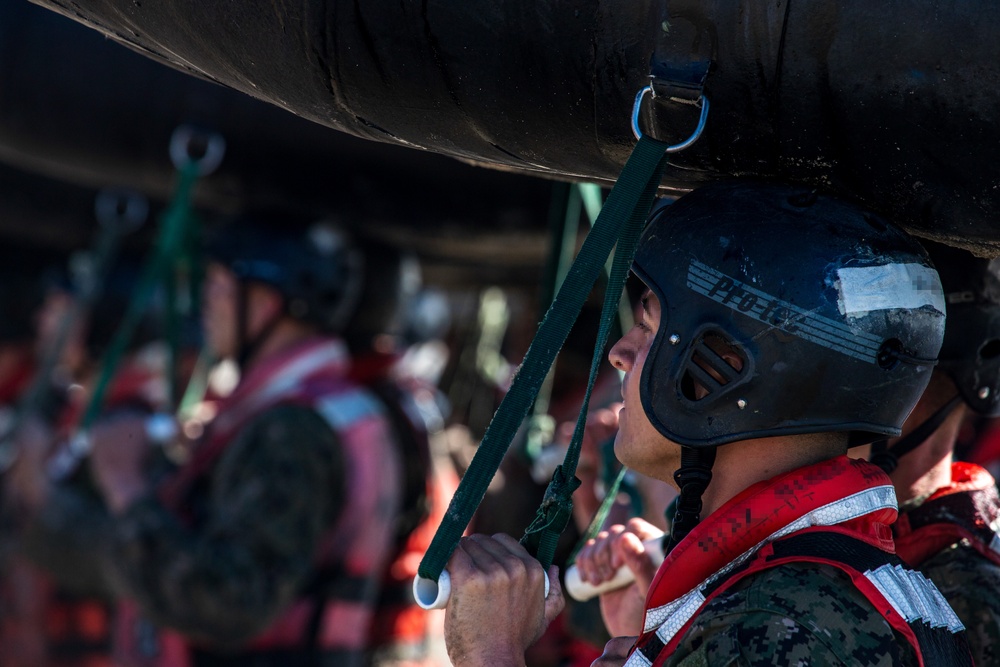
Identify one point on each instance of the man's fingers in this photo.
(644, 529)
(555, 601)
(594, 562)
(501, 556)
(512, 545)
(533, 569)
(635, 556)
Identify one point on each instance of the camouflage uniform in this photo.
(949, 537)
(971, 585)
(798, 570)
(67, 537)
(792, 615)
(256, 529)
(269, 504)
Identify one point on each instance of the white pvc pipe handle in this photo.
(431, 594)
(580, 590)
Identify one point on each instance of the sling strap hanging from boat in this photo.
(194, 154)
(620, 222)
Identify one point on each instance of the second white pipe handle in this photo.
(580, 590)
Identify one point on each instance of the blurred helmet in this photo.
(836, 316)
(317, 268)
(391, 281)
(21, 286)
(111, 302)
(971, 351)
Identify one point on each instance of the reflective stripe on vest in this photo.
(670, 618)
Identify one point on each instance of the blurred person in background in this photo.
(949, 509)
(59, 515)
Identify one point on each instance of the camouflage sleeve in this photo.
(273, 494)
(971, 584)
(68, 538)
(791, 615)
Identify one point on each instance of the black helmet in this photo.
(971, 351)
(111, 303)
(836, 315)
(390, 281)
(21, 287)
(316, 267)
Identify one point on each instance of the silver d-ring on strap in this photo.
(184, 137)
(676, 147)
(124, 210)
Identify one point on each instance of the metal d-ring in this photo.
(185, 136)
(125, 210)
(676, 147)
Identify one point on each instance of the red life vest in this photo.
(836, 512)
(966, 509)
(401, 628)
(312, 374)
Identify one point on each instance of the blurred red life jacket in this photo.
(314, 374)
(968, 509)
(70, 629)
(401, 629)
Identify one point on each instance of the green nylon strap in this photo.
(630, 199)
(554, 514)
(172, 234)
(597, 523)
(172, 331)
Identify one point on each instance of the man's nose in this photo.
(619, 356)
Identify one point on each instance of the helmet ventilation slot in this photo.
(713, 364)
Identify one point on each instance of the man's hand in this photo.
(498, 606)
(624, 609)
(615, 652)
(118, 452)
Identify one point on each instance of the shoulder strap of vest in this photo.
(911, 605)
(331, 582)
(413, 444)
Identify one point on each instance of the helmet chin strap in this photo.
(887, 458)
(247, 346)
(692, 478)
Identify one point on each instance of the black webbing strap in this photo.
(888, 458)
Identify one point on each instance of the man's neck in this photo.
(284, 335)
(928, 467)
(742, 464)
